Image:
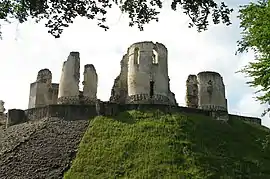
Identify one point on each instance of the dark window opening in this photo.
(152, 88)
(136, 55)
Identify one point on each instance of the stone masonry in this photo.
(3, 116)
(143, 79)
(90, 84)
(144, 76)
(211, 91)
(43, 92)
(70, 79)
(192, 91)
(207, 91)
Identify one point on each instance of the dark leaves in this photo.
(61, 13)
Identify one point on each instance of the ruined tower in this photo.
(211, 91)
(120, 90)
(69, 82)
(147, 74)
(43, 91)
(192, 91)
(90, 84)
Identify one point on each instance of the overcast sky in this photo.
(27, 48)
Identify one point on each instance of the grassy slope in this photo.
(155, 145)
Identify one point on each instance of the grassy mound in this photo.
(156, 145)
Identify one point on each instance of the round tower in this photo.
(211, 91)
(69, 82)
(147, 77)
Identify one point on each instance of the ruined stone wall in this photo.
(147, 62)
(119, 90)
(53, 93)
(192, 91)
(85, 112)
(15, 116)
(90, 84)
(69, 82)
(42, 91)
(211, 91)
(3, 116)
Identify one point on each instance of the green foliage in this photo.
(256, 36)
(61, 13)
(157, 145)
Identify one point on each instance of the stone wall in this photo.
(254, 120)
(3, 119)
(85, 112)
(119, 90)
(192, 91)
(66, 112)
(15, 116)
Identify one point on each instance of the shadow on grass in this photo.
(125, 117)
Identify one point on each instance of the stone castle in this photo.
(143, 80)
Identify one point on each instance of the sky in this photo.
(27, 48)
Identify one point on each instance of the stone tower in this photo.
(147, 74)
(192, 91)
(70, 79)
(43, 91)
(211, 91)
(90, 84)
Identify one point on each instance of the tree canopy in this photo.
(61, 13)
(255, 21)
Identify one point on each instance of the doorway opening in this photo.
(152, 88)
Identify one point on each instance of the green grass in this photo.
(177, 146)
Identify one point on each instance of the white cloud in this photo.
(30, 48)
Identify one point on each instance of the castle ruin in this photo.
(143, 78)
(206, 91)
(143, 81)
(43, 91)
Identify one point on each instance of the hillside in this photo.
(39, 149)
(156, 145)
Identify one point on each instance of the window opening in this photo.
(152, 88)
(155, 57)
(136, 55)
